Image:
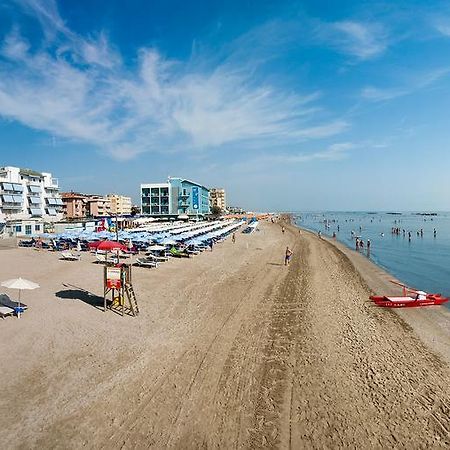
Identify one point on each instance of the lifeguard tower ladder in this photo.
(117, 281)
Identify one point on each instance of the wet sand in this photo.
(231, 349)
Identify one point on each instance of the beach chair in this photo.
(177, 253)
(5, 311)
(101, 258)
(156, 258)
(146, 262)
(10, 307)
(69, 256)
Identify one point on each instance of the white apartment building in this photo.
(218, 198)
(27, 195)
(120, 204)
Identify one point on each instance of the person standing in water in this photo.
(287, 256)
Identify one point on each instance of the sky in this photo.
(288, 105)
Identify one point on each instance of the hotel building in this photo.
(120, 204)
(27, 194)
(218, 198)
(98, 206)
(75, 205)
(176, 197)
(28, 200)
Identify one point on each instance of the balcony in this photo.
(12, 188)
(11, 206)
(52, 185)
(36, 212)
(54, 201)
(34, 189)
(184, 195)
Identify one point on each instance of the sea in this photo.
(421, 262)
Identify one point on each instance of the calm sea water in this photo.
(422, 262)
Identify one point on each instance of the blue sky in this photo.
(288, 105)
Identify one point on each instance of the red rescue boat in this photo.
(410, 298)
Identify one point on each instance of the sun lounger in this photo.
(157, 258)
(101, 258)
(69, 256)
(5, 300)
(177, 253)
(146, 262)
(5, 311)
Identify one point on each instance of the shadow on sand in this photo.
(84, 296)
(275, 264)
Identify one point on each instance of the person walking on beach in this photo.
(319, 234)
(233, 238)
(288, 256)
(282, 229)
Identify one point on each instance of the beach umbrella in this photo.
(94, 245)
(111, 245)
(168, 241)
(20, 284)
(156, 247)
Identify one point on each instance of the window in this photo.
(28, 229)
(37, 228)
(18, 228)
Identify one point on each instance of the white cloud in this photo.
(418, 82)
(359, 39)
(443, 26)
(334, 152)
(78, 88)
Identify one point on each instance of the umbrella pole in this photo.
(18, 309)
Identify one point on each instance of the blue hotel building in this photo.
(176, 197)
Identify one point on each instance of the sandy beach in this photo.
(231, 350)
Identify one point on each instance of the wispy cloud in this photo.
(78, 87)
(288, 160)
(363, 40)
(442, 25)
(415, 84)
(334, 152)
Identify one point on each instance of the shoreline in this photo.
(431, 323)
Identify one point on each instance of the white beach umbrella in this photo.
(20, 284)
(168, 242)
(156, 247)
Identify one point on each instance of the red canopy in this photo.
(111, 245)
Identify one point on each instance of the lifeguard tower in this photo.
(117, 282)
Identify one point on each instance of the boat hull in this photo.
(431, 300)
